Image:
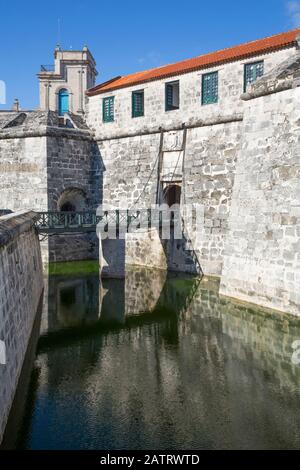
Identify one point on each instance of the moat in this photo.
(156, 362)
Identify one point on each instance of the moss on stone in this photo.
(73, 268)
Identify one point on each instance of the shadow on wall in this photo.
(180, 253)
(146, 248)
(75, 183)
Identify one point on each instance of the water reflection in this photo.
(156, 362)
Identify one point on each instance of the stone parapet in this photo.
(21, 287)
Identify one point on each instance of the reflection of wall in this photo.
(142, 290)
(224, 371)
(71, 302)
(138, 293)
(213, 375)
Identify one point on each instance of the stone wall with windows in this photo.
(129, 148)
(240, 164)
(230, 88)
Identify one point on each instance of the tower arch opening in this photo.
(72, 200)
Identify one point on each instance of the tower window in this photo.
(172, 95)
(63, 101)
(138, 103)
(210, 88)
(252, 72)
(108, 109)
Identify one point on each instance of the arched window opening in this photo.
(172, 194)
(63, 101)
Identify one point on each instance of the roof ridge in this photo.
(141, 76)
(213, 52)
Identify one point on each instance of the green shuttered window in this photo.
(210, 88)
(137, 103)
(172, 96)
(108, 109)
(252, 72)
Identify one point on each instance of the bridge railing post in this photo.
(117, 223)
(149, 213)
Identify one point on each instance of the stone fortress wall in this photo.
(262, 249)
(236, 159)
(21, 287)
(43, 165)
(215, 145)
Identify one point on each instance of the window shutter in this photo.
(108, 109)
(169, 97)
(210, 87)
(137, 103)
(252, 72)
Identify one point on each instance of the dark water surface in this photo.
(159, 363)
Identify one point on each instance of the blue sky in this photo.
(127, 36)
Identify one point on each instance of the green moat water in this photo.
(157, 362)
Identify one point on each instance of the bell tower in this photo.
(63, 85)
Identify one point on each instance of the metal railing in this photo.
(5, 212)
(116, 222)
(47, 68)
(87, 221)
(62, 222)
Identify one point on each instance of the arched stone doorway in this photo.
(172, 194)
(72, 200)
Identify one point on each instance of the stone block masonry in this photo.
(142, 248)
(262, 250)
(21, 287)
(234, 159)
(241, 165)
(45, 164)
(73, 176)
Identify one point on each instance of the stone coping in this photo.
(284, 77)
(191, 124)
(45, 131)
(13, 225)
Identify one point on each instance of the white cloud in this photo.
(2, 92)
(293, 9)
(151, 59)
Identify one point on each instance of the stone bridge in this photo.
(153, 238)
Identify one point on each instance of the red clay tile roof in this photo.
(250, 49)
